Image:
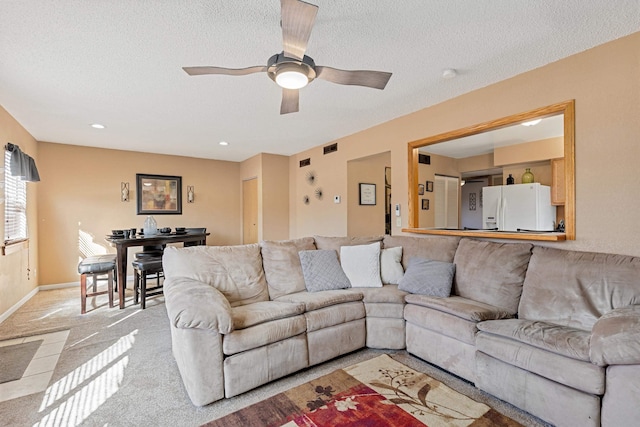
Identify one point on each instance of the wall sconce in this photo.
(124, 191)
(190, 194)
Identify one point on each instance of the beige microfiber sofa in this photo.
(554, 332)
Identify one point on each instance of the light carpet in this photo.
(377, 392)
(117, 369)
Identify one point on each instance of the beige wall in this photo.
(603, 81)
(79, 201)
(527, 152)
(366, 220)
(15, 281)
(79, 197)
(275, 197)
(272, 173)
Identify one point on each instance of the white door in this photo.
(446, 194)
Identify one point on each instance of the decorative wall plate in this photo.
(311, 177)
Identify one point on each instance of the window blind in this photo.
(15, 204)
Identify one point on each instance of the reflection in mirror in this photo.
(461, 163)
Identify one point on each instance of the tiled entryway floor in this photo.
(40, 370)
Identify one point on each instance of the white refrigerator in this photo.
(518, 207)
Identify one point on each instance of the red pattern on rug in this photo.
(358, 406)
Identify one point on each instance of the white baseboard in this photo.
(17, 305)
(59, 286)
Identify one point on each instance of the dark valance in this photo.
(22, 165)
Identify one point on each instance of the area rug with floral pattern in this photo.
(377, 392)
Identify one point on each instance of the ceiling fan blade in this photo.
(199, 71)
(373, 79)
(290, 99)
(297, 22)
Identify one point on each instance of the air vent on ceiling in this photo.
(331, 148)
(424, 159)
(305, 162)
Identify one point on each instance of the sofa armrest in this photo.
(196, 305)
(615, 338)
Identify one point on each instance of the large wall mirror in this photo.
(449, 176)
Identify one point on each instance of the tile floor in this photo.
(38, 374)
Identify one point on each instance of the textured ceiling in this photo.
(66, 64)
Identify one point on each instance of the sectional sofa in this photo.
(554, 332)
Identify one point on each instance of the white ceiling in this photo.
(66, 64)
(486, 142)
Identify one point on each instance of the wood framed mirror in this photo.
(499, 153)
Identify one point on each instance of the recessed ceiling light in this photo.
(97, 126)
(224, 143)
(532, 122)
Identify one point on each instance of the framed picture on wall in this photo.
(420, 189)
(429, 186)
(367, 194)
(158, 194)
(425, 204)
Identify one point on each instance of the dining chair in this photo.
(196, 230)
(96, 267)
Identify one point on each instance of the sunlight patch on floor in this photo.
(87, 387)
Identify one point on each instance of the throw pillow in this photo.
(391, 265)
(322, 272)
(428, 277)
(361, 264)
(335, 243)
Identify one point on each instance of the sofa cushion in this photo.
(578, 374)
(316, 300)
(281, 264)
(391, 270)
(615, 338)
(322, 271)
(249, 315)
(584, 285)
(443, 323)
(386, 294)
(384, 309)
(334, 315)
(462, 307)
(428, 277)
(263, 334)
(563, 340)
(335, 243)
(236, 271)
(361, 264)
(439, 248)
(491, 272)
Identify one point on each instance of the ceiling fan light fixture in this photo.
(290, 76)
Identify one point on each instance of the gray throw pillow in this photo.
(322, 271)
(428, 277)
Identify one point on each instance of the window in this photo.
(15, 204)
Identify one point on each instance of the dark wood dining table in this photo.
(122, 245)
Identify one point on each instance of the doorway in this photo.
(367, 219)
(250, 211)
(471, 203)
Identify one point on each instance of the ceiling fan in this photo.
(292, 69)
